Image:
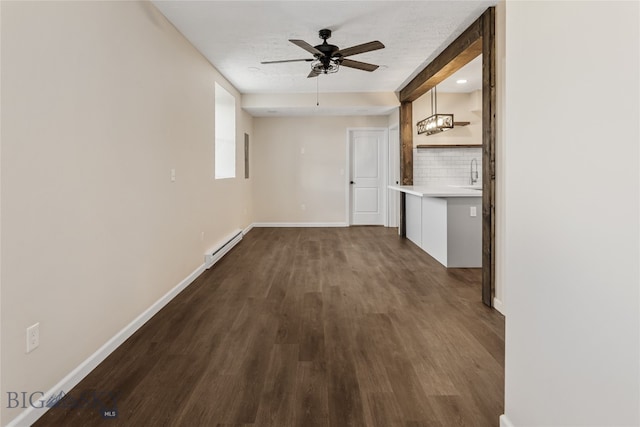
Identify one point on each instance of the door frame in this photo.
(393, 129)
(385, 171)
(478, 38)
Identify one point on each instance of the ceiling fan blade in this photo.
(313, 73)
(358, 65)
(306, 46)
(287, 60)
(361, 48)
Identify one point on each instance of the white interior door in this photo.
(367, 180)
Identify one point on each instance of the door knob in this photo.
(351, 182)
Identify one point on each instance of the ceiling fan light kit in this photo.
(317, 68)
(327, 58)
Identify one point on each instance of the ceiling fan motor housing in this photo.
(327, 49)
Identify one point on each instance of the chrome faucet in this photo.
(473, 175)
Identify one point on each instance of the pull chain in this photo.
(318, 91)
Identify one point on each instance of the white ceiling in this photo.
(472, 73)
(235, 36)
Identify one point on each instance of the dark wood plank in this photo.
(312, 340)
(409, 393)
(310, 327)
(406, 158)
(382, 410)
(345, 399)
(290, 319)
(312, 406)
(370, 358)
(453, 412)
(488, 155)
(277, 401)
(406, 143)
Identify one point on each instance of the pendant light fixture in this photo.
(435, 123)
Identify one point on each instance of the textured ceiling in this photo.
(235, 36)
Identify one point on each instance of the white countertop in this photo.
(439, 191)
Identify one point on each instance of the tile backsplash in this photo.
(443, 166)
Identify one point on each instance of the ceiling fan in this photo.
(327, 58)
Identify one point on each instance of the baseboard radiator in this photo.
(220, 250)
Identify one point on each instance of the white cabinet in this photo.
(447, 228)
(413, 209)
(435, 228)
(464, 232)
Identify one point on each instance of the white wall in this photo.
(394, 117)
(302, 161)
(99, 101)
(500, 222)
(572, 214)
(322, 104)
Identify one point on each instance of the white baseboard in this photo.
(504, 421)
(300, 224)
(497, 304)
(248, 229)
(31, 414)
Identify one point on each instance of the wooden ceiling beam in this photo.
(459, 53)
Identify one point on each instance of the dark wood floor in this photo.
(308, 327)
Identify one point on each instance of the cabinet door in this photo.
(434, 228)
(413, 206)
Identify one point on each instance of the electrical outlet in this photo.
(202, 236)
(303, 207)
(173, 175)
(472, 211)
(33, 337)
